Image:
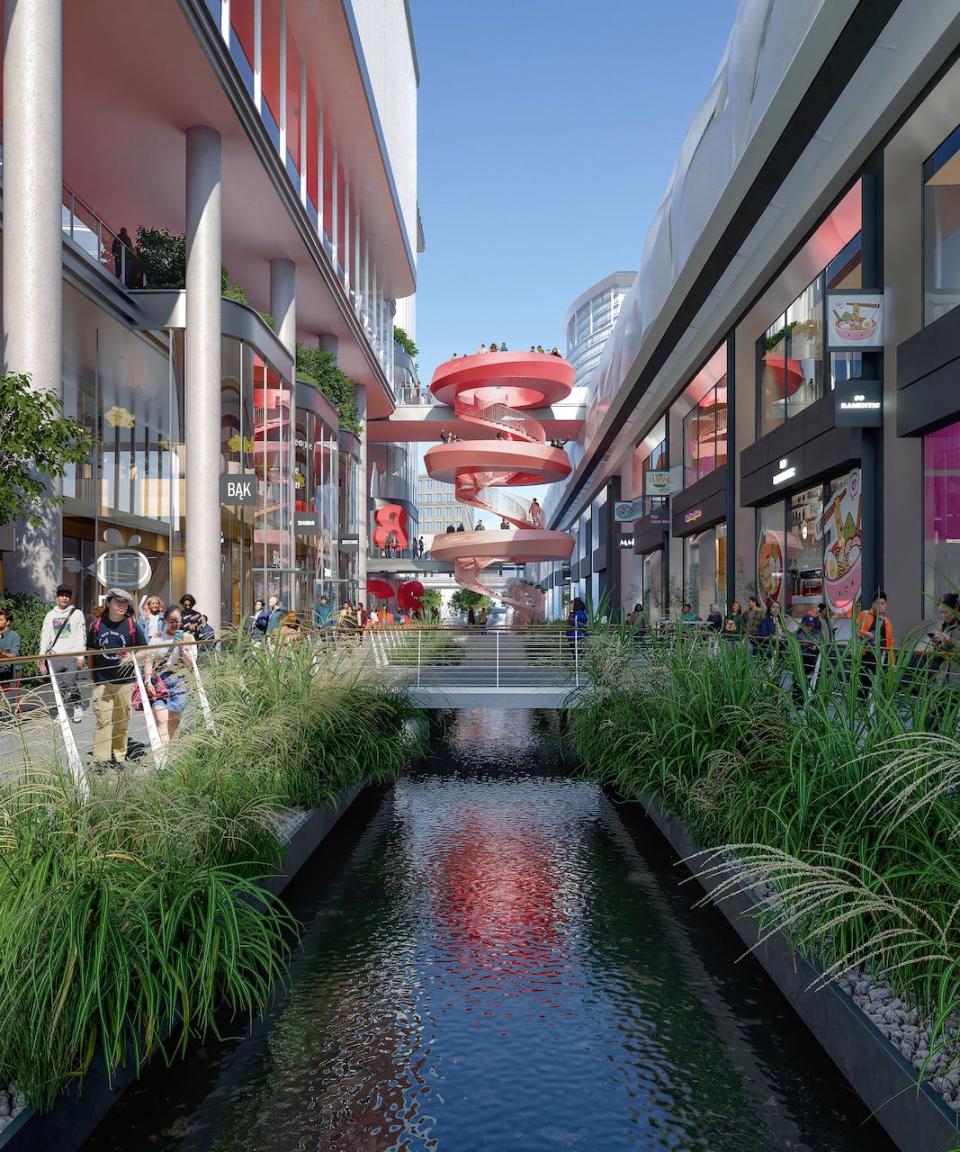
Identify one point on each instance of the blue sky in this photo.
(548, 130)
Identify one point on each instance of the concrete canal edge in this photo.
(66, 1127)
(916, 1118)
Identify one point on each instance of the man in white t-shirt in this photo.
(64, 630)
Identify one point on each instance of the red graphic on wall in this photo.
(390, 519)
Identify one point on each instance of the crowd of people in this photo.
(70, 646)
(502, 347)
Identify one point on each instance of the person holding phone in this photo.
(165, 674)
(945, 640)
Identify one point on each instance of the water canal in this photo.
(495, 958)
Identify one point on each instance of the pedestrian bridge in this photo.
(530, 667)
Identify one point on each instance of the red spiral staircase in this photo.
(494, 392)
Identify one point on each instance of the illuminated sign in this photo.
(626, 542)
(854, 320)
(692, 516)
(858, 404)
(786, 473)
(626, 511)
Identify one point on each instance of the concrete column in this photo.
(202, 356)
(363, 514)
(32, 250)
(283, 302)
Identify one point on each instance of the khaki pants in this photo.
(111, 706)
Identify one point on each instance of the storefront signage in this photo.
(660, 482)
(858, 404)
(659, 513)
(692, 516)
(854, 320)
(349, 544)
(839, 529)
(239, 488)
(785, 473)
(391, 524)
(626, 542)
(307, 523)
(626, 511)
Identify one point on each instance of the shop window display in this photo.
(941, 515)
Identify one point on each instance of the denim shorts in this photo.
(177, 694)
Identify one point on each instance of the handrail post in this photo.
(69, 743)
(73, 211)
(419, 650)
(153, 732)
(576, 656)
(497, 634)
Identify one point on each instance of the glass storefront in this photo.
(705, 570)
(941, 229)
(809, 548)
(705, 435)
(941, 515)
(791, 363)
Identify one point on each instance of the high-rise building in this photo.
(589, 321)
(265, 144)
(438, 507)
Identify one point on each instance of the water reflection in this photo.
(494, 963)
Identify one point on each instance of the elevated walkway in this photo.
(424, 423)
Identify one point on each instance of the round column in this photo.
(202, 364)
(363, 512)
(32, 240)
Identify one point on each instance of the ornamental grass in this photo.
(133, 920)
(840, 800)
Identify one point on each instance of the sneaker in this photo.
(77, 713)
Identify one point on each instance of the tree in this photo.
(161, 258)
(37, 444)
(431, 599)
(406, 343)
(465, 598)
(319, 368)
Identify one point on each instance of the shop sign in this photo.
(349, 543)
(239, 488)
(626, 511)
(307, 523)
(858, 404)
(658, 482)
(659, 514)
(627, 542)
(692, 516)
(839, 529)
(785, 472)
(854, 320)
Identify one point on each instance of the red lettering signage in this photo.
(390, 518)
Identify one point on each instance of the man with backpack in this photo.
(64, 630)
(112, 634)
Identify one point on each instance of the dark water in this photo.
(494, 959)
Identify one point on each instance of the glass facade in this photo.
(809, 548)
(941, 229)
(941, 515)
(705, 570)
(792, 366)
(588, 329)
(705, 435)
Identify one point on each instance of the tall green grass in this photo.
(134, 920)
(848, 806)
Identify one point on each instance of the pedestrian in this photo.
(483, 350)
(460, 527)
(205, 634)
(876, 628)
(478, 527)
(482, 619)
(420, 547)
(687, 614)
(771, 631)
(503, 346)
(577, 621)
(363, 619)
(165, 675)
(535, 513)
(714, 619)
(323, 614)
(733, 626)
(9, 672)
(151, 617)
(189, 616)
(808, 637)
(494, 347)
(111, 636)
(540, 348)
(259, 619)
(122, 251)
(504, 523)
(751, 622)
(64, 630)
(554, 351)
(471, 617)
(275, 615)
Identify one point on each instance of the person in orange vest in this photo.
(876, 629)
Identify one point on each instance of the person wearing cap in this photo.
(115, 631)
(64, 630)
(808, 637)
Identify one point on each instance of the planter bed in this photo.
(66, 1127)
(916, 1117)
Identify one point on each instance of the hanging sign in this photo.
(657, 482)
(626, 511)
(307, 523)
(854, 320)
(239, 488)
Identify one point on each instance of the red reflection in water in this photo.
(495, 891)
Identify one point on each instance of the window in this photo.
(941, 515)
(705, 435)
(941, 229)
